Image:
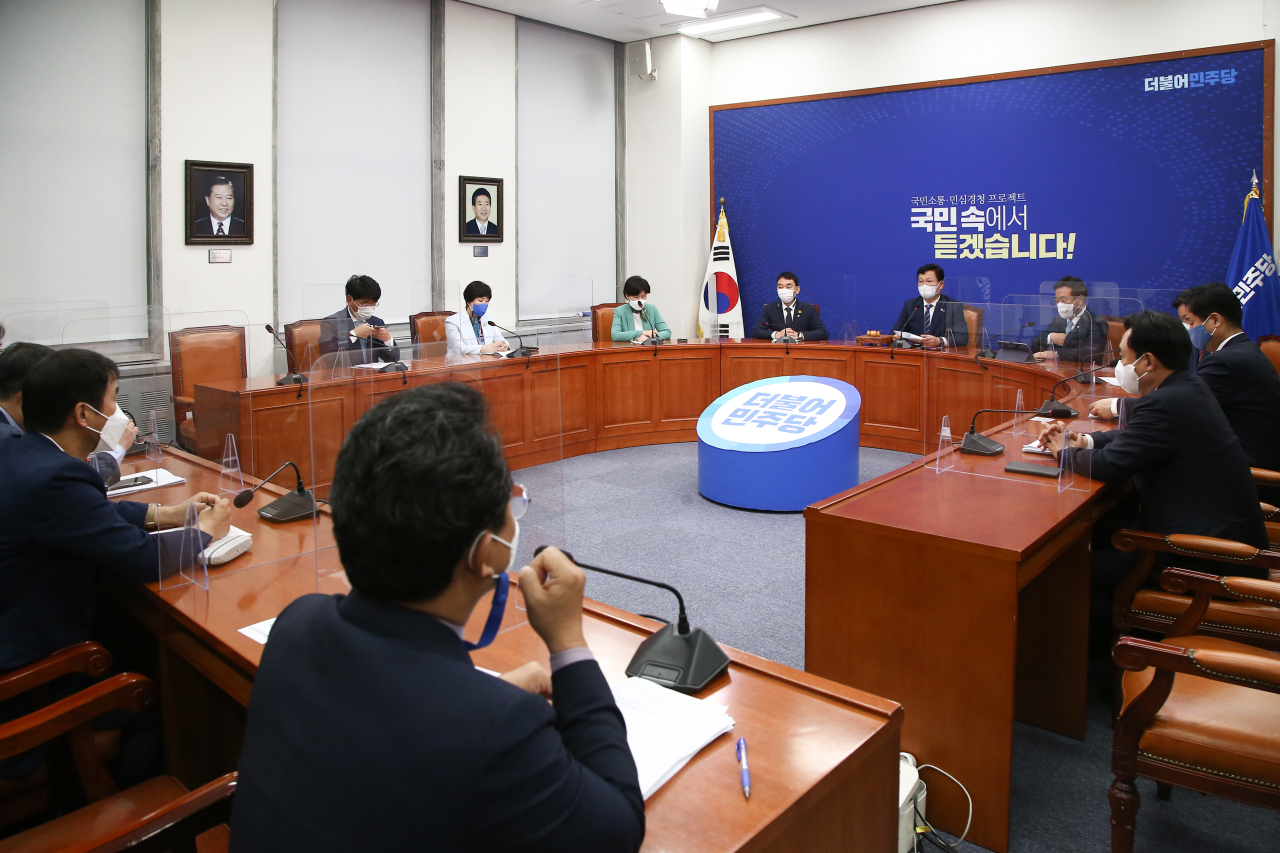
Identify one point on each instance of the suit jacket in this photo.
(472, 228)
(948, 320)
(370, 729)
(8, 427)
(1245, 384)
(1187, 465)
(335, 336)
(234, 227)
(624, 323)
(806, 322)
(1086, 341)
(59, 533)
(461, 337)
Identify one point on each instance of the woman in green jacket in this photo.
(636, 320)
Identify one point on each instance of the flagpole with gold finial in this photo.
(722, 225)
(1253, 193)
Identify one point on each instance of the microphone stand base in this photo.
(290, 507)
(523, 352)
(980, 445)
(1054, 409)
(986, 353)
(292, 379)
(686, 663)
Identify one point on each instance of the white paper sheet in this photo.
(1110, 380)
(258, 631)
(376, 365)
(159, 479)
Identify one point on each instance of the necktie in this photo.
(928, 318)
(1071, 324)
(220, 233)
(788, 317)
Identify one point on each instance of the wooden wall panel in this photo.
(686, 386)
(957, 388)
(738, 367)
(626, 394)
(830, 365)
(561, 399)
(892, 397)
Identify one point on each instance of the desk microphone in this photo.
(523, 351)
(397, 366)
(654, 341)
(676, 657)
(1051, 408)
(981, 444)
(294, 377)
(300, 503)
(987, 352)
(895, 344)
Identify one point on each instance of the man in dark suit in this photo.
(1076, 334)
(221, 201)
(937, 318)
(370, 729)
(16, 362)
(355, 329)
(1241, 377)
(789, 317)
(481, 206)
(60, 532)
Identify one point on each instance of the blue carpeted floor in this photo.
(742, 577)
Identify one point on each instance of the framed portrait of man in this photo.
(219, 203)
(479, 210)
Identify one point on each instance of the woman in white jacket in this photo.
(466, 333)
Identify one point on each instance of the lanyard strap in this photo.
(494, 621)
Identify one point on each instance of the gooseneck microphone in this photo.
(676, 656)
(981, 445)
(987, 352)
(294, 377)
(300, 503)
(523, 351)
(1051, 408)
(654, 341)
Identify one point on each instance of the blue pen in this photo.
(746, 771)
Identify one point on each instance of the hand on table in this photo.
(216, 519)
(496, 346)
(931, 341)
(1103, 409)
(1046, 355)
(533, 678)
(552, 588)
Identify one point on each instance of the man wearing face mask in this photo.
(355, 329)
(936, 318)
(637, 320)
(369, 727)
(468, 333)
(1076, 334)
(789, 317)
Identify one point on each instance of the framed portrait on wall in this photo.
(219, 205)
(479, 210)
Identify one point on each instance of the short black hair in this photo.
(16, 362)
(218, 181)
(363, 287)
(934, 268)
(635, 286)
(481, 192)
(475, 290)
(1077, 285)
(1184, 298)
(1162, 336)
(790, 276)
(418, 478)
(1212, 298)
(59, 381)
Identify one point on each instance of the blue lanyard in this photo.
(492, 624)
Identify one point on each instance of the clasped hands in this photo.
(1055, 436)
(552, 587)
(214, 514)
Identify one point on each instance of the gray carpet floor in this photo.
(742, 577)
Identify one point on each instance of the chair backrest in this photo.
(602, 321)
(973, 322)
(817, 309)
(206, 354)
(1271, 348)
(1115, 331)
(300, 335)
(428, 326)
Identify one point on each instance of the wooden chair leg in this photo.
(1164, 791)
(1124, 812)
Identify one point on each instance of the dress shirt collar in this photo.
(8, 417)
(226, 225)
(483, 227)
(51, 441)
(1220, 346)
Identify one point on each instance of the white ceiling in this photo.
(636, 20)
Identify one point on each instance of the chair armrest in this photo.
(1269, 512)
(1204, 587)
(126, 690)
(168, 826)
(1254, 669)
(184, 402)
(89, 658)
(1202, 547)
(1265, 477)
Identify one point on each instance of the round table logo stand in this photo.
(779, 444)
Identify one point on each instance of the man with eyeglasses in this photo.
(370, 729)
(355, 329)
(1076, 334)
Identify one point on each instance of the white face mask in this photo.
(927, 292)
(1067, 311)
(636, 304)
(112, 431)
(511, 546)
(786, 294)
(363, 312)
(1127, 376)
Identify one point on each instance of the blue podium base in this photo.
(781, 480)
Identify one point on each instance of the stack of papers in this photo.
(1036, 447)
(665, 729)
(159, 479)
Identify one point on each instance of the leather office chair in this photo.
(427, 327)
(602, 321)
(202, 354)
(1271, 348)
(973, 322)
(1115, 331)
(300, 335)
(1198, 712)
(1256, 623)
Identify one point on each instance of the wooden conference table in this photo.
(962, 596)
(824, 756)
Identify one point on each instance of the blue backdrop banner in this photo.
(1129, 177)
